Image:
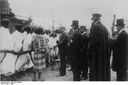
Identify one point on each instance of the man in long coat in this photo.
(99, 51)
(120, 52)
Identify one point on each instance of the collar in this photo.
(121, 31)
(97, 22)
(84, 33)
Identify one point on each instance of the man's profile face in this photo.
(118, 28)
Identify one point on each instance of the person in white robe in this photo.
(52, 42)
(26, 61)
(18, 40)
(7, 65)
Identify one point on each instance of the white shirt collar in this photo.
(97, 22)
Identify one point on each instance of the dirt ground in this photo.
(50, 75)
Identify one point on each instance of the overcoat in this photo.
(99, 53)
(120, 52)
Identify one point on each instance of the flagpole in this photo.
(53, 15)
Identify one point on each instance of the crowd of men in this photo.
(86, 52)
(93, 51)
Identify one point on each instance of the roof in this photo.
(4, 7)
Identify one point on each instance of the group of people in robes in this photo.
(23, 49)
(13, 53)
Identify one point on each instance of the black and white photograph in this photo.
(63, 40)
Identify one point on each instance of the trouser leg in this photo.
(76, 73)
(122, 75)
(62, 65)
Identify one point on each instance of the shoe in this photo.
(34, 79)
(60, 75)
(84, 78)
(40, 79)
(70, 70)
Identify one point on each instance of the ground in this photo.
(50, 75)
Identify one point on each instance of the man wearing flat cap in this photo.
(120, 52)
(99, 51)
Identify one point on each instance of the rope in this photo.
(15, 53)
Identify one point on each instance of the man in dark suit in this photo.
(62, 44)
(78, 52)
(83, 55)
(99, 51)
(75, 51)
(120, 51)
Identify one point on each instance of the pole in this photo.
(0, 19)
(0, 13)
(53, 15)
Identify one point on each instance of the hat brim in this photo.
(74, 25)
(119, 25)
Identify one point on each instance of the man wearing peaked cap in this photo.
(120, 52)
(96, 15)
(99, 51)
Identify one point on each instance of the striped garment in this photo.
(39, 46)
(39, 62)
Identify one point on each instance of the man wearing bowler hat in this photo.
(99, 59)
(120, 49)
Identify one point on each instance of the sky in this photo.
(64, 11)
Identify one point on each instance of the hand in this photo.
(54, 47)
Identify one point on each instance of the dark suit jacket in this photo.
(120, 51)
(62, 44)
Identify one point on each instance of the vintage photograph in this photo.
(64, 40)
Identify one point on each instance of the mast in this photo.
(53, 16)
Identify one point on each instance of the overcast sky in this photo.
(67, 10)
